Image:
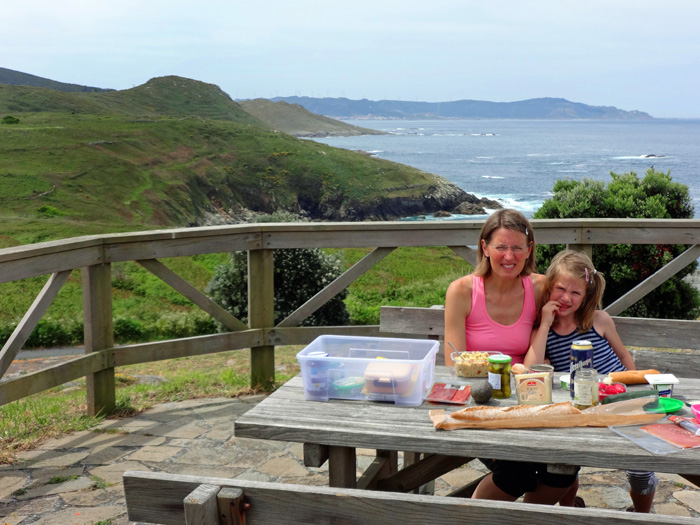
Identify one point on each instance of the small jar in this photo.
(585, 388)
(499, 375)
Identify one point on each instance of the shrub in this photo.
(299, 274)
(626, 265)
(9, 119)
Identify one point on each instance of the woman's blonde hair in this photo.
(580, 266)
(510, 220)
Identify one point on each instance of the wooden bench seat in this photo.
(681, 339)
(156, 497)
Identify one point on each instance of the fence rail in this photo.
(95, 254)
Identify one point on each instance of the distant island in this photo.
(536, 108)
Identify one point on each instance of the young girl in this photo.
(574, 293)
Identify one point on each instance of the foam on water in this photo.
(521, 165)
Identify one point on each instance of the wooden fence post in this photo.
(97, 315)
(261, 314)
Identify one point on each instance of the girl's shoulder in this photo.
(602, 321)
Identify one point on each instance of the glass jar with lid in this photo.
(499, 375)
(585, 388)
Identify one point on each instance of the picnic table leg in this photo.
(342, 467)
(385, 464)
(409, 458)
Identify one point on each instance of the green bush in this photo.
(299, 274)
(50, 333)
(9, 119)
(625, 266)
(127, 330)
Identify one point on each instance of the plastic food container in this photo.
(696, 411)
(605, 389)
(565, 381)
(373, 368)
(662, 383)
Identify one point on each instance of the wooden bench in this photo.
(682, 337)
(156, 497)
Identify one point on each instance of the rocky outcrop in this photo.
(441, 196)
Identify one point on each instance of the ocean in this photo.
(518, 161)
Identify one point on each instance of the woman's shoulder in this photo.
(462, 286)
(539, 283)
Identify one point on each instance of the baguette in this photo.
(631, 377)
(482, 413)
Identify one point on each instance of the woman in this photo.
(494, 309)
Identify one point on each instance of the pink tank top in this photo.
(484, 334)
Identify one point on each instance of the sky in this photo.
(632, 54)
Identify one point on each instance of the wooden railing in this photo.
(95, 254)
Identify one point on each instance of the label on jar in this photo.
(583, 394)
(495, 380)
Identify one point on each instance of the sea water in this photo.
(518, 161)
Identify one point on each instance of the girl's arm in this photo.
(538, 338)
(606, 327)
(458, 305)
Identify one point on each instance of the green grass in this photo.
(146, 309)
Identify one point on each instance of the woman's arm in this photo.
(606, 327)
(458, 304)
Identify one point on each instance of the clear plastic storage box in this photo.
(373, 368)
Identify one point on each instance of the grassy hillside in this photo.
(298, 121)
(17, 78)
(172, 152)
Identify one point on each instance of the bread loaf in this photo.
(631, 377)
(518, 411)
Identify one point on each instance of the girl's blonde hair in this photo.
(510, 220)
(579, 265)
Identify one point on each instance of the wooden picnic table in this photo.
(340, 427)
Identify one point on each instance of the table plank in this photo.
(286, 416)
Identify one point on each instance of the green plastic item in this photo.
(666, 405)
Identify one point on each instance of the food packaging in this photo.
(662, 383)
(534, 389)
(386, 377)
(471, 364)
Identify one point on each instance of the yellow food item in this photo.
(472, 364)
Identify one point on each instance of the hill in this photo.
(300, 122)
(177, 152)
(17, 78)
(536, 108)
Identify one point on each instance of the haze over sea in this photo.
(518, 161)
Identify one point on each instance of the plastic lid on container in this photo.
(499, 358)
(661, 379)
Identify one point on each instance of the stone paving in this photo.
(77, 479)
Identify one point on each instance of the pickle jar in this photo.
(499, 375)
(585, 388)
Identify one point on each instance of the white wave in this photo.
(486, 157)
(637, 157)
(540, 155)
(572, 171)
(491, 177)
